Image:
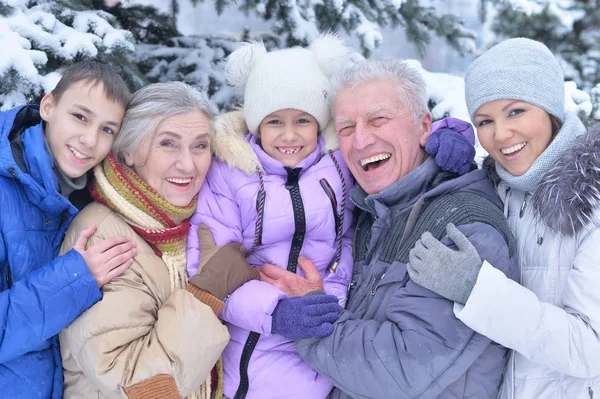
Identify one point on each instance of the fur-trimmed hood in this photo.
(230, 144)
(569, 194)
(568, 197)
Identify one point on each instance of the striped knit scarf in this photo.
(162, 225)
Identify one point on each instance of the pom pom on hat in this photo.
(240, 63)
(331, 53)
(294, 78)
(516, 69)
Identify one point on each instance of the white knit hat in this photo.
(516, 69)
(295, 78)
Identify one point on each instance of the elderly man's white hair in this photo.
(157, 99)
(412, 91)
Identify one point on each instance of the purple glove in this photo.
(305, 316)
(452, 142)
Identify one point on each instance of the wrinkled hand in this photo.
(291, 283)
(223, 269)
(452, 143)
(305, 316)
(107, 259)
(449, 273)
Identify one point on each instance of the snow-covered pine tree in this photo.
(299, 21)
(39, 37)
(164, 54)
(570, 29)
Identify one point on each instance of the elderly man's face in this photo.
(379, 140)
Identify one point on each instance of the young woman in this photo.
(546, 170)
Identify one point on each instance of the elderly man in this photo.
(397, 339)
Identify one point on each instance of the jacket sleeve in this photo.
(218, 210)
(140, 331)
(251, 306)
(44, 302)
(564, 339)
(417, 351)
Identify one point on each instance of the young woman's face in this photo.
(514, 133)
(289, 135)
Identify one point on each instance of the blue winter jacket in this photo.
(40, 294)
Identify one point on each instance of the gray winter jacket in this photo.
(397, 339)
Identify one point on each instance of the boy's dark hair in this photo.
(94, 72)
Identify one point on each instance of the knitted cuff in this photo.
(315, 292)
(161, 386)
(215, 303)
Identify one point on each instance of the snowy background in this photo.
(151, 41)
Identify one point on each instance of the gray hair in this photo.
(412, 91)
(157, 99)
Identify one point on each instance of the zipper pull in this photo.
(374, 286)
(522, 211)
(8, 276)
(351, 286)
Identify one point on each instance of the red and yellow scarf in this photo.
(161, 224)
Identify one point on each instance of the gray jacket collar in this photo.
(400, 195)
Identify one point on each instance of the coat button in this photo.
(540, 240)
(13, 172)
(48, 222)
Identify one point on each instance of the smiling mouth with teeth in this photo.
(374, 161)
(289, 150)
(513, 149)
(78, 154)
(179, 182)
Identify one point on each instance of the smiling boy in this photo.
(45, 154)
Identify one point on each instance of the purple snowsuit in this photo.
(227, 205)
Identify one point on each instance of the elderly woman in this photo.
(153, 335)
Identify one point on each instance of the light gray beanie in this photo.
(516, 69)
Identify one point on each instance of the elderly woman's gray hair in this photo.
(412, 91)
(157, 99)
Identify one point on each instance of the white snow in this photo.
(27, 35)
(577, 101)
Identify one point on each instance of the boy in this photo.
(45, 154)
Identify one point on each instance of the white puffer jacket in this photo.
(552, 321)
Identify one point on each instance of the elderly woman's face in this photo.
(176, 160)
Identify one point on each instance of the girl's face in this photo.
(515, 133)
(288, 135)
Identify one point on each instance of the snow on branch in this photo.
(38, 40)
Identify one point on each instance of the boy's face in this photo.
(81, 126)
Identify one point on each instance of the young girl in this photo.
(547, 172)
(282, 192)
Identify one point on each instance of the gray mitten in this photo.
(449, 273)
